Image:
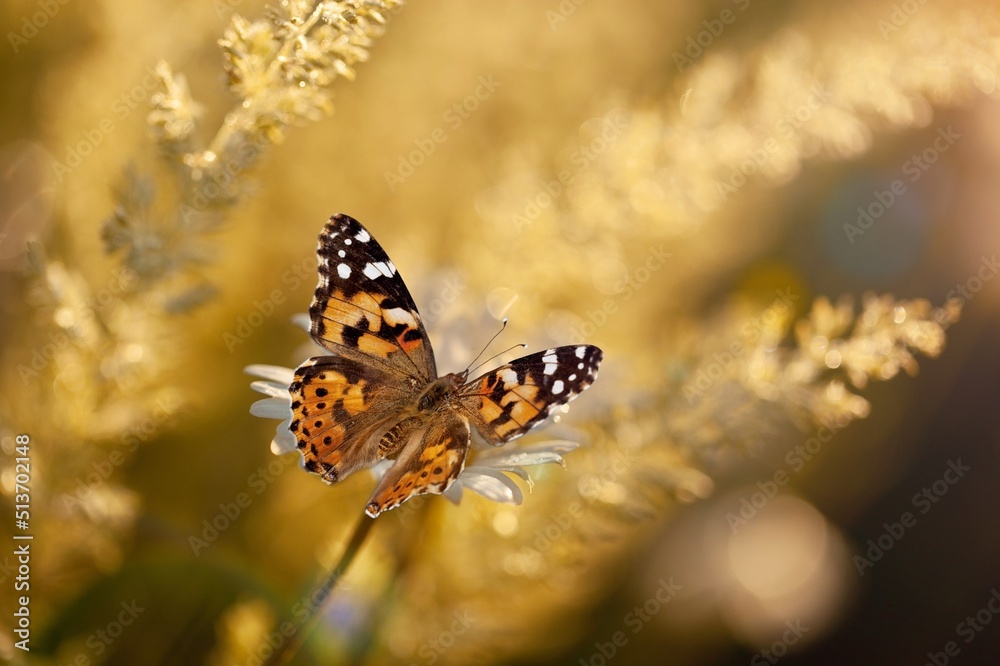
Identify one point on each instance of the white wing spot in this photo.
(347, 241)
(572, 377)
(509, 378)
(379, 267)
(344, 271)
(581, 351)
(341, 254)
(551, 362)
(371, 272)
(363, 236)
(579, 366)
(557, 387)
(397, 316)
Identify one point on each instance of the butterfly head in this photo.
(440, 390)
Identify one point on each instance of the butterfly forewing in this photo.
(509, 401)
(361, 308)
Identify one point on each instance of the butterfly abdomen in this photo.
(395, 437)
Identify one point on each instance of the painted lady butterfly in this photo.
(378, 396)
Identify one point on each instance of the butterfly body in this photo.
(378, 396)
(440, 391)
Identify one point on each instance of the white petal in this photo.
(379, 469)
(512, 469)
(301, 320)
(271, 408)
(521, 458)
(273, 389)
(454, 492)
(273, 372)
(554, 445)
(284, 440)
(517, 471)
(548, 452)
(492, 485)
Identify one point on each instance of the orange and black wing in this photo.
(507, 402)
(341, 409)
(431, 459)
(362, 310)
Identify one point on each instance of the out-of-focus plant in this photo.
(108, 348)
(692, 176)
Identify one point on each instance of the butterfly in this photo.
(378, 396)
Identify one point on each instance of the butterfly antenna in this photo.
(502, 327)
(520, 344)
(495, 335)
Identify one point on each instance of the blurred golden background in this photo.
(769, 216)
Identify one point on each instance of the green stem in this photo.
(321, 596)
(406, 539)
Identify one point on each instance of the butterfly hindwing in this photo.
(361, 308)
(339, 411)
(507, 402)
(431, 459)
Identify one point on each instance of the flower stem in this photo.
(321, 595)
(406, 541)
